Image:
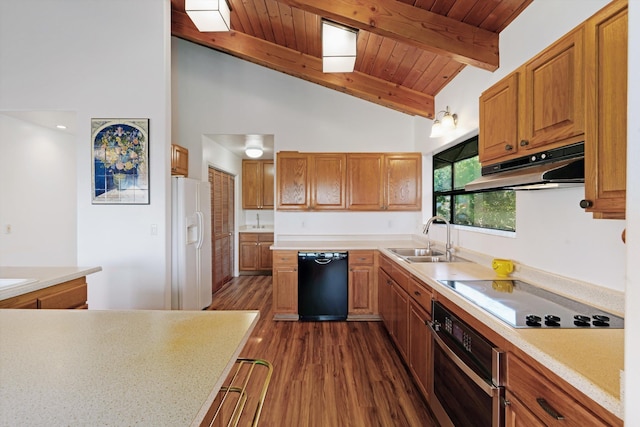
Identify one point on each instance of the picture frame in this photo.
(120, 161)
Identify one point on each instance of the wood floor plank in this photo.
(326, 374)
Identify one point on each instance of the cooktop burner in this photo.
(522, 305)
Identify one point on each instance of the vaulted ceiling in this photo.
(407, 50)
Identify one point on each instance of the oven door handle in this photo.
(489, 389)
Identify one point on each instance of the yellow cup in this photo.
(502, 267)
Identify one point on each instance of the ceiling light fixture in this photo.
(253, 146)
(338, 48)
(447, 123)
(209, 15)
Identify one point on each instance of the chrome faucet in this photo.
(425, 231)
(258, 218)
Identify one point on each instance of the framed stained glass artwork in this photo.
(120, 166)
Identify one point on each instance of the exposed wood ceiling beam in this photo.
(414, 26)
(306, 67)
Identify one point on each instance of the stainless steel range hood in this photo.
(561, 167)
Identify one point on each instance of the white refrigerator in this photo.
(190, 244)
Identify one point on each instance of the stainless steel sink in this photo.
(415, 252)
(439, 258)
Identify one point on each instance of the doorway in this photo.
(222, 227)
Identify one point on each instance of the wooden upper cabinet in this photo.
(403, 181)
(179, 160)
(539, 106)
(293, 184)
(328, 181)
(554, 94)
(384, 181)
(349, 181)
(499, 120)
(257, 184)
(365, 178)
(606, 131)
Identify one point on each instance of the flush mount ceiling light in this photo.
(338, 48)
(447, 123)
(253, 146)
(209, 15)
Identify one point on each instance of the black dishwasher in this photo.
(322, 285)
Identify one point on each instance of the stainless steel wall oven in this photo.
(467, 378)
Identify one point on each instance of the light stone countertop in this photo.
(141, 367)
(561, 351)
(39, 278)
(267, 228)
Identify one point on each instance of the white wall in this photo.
(215, 93)
(37, 195)
(553, 233)
(105, 59)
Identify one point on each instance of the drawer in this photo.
(72, 297)
(248, 237)
(401, 277)
(285, 258)
(361, 257)
(385, 264)
(421, 294)
(544, 398)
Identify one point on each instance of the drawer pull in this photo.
(548, 409)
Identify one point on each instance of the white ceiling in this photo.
(235, 144)
(48, 119)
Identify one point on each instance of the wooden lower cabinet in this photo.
(543, 399)
(419, 353)
(255, 252)
(363, 289)
(405, 308)
(285, 285)
(67, 295)
(517, 415)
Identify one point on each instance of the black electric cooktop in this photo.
(522, 305)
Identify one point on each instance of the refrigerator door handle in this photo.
(200, 217)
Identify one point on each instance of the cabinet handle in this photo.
(508, 147)
(548, 409)
(524, 143)
(416, 293)
(584, 204)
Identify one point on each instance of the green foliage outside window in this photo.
(452, 170)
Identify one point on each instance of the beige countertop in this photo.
(268, 228)
(37, 278)
(562, 351)
(84, 367)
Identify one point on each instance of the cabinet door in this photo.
(517, 415)
(554, 94)
(292, 178)
(285, 290)
(363, 295)
(268, 176)
(384, 299)
(400, 318)
(251, 184)
(248, 251)
(265, 258)
(606, 134)
(365, 181)
(419, 346)
(179, 160)
(403, 189)
(328, 181)
(498, 133)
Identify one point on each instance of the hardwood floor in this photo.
(325, 374)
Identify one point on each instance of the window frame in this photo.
(449, 157)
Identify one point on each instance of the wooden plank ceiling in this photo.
(407, 51)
